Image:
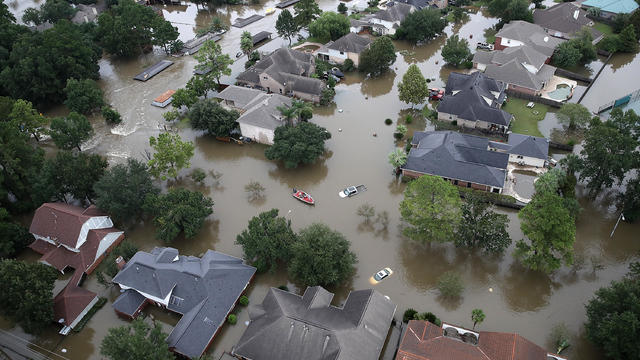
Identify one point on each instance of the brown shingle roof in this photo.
(72, 301)
(426, 341)
(60, 222)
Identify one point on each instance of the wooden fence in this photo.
(572, 75)
(534, 98)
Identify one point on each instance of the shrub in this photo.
(111, 115)
(454, 123)
(232, 319)
(388, 121)
(348, 65)
(171, 115)
(408, 119)
(406, 179)
(327, 95)
(198, 175)
(450, 285)
(428, 316)
(409, 314)
(244, 300)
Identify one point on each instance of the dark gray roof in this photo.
(288, 326)
(396, 12)
(302, 84)
(457, 156)
(530, 34)
(260, 109)
(566, 17)
(475, 97)
(241, 96)
(281, 62)
(526, 145)
(513, 72)
(262, 35)
(203, 290)
(418, 4)
(129, 302)
(350, 43)
(153, 70)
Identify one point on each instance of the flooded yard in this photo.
(513, 298)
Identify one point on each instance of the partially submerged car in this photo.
(436, 94)
(382, 274)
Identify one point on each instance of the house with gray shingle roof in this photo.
(347, 47)
(474, 101)
(203, 290)
(521, 33)
(384, 22)
(285, 72)
(287, 326)
(524, 149)
(564, 20)
(259, 114)
(464, 160)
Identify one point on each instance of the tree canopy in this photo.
(122, 190)
(295, 145)
(413, 87)
(321, 256)
(25, 117)
(397, 158)
(306, 11)
(329, 26)
(210, 116)
(27, 294)
(579, 50)
(171, 155)
(211, 59)
(286, 25)
(613, 318)
(431, 209)
(508, 10)
(481, 226)
(421, 25)
(378, 57)
(574, 115)
(83, 96)
(267, 240)
(246, 42)
(455, 51)
(13, 236)
(71, 131)
(630, 200)
(178, 211)
(136, 341)
(54, 10)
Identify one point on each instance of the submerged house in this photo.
(73, 238)
(203, 290)
(347, 47)
(287, 326)
(474, 101)
(424, 340)
(524, 149)
(464, 160)
(285, 72)
(259, 114)
(383, 22)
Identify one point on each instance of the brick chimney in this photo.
(120, 263)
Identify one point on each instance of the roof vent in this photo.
(546, 39)
(576, 14)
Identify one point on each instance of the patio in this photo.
(559, 89)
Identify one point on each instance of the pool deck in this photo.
(553, 84)
(509, 188)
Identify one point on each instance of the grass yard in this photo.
(603, 28)
(525, 119)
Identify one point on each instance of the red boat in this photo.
(436, 94)
(303, 196)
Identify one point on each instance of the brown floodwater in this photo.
(513, 298)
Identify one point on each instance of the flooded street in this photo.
(513, 298)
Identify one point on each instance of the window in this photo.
(341, 53)
(468, 184)
(455, 182)
(496, 190)
(280, 90)
(520, 157)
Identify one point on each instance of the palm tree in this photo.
(299, 110)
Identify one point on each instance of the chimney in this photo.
(120, 262)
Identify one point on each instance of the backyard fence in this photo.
(633, 97)
(534, 98)
(572, 75)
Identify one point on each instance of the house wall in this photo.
(465, 184)
(101, 257)
(528, 160)
(305, 96)
(523, 90)
(271, 85)
(503, 43)
(136, 313)
(257, 134)
(386, 28)
(480, 124)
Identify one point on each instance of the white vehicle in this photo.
(351, 191)
(382, 274)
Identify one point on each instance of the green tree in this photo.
(306, 11)
(286, 25)
(550, 230)
(459, 13)
(127, 28)
(28, 119)
(184, 97)
(126, 249)
(321, 256)
(450, 285)
(613, 319)
(208, 115)
(431, 207)
(71, 131)
(579, 50)
(342, 8)
(69, 174)
(421, 25)
(481, 226)
(210, 58)
(110, 115)
(508, 10)
(13, 236)
(164, 33)
(295, 145)
(83, 96)
(178, 211)
(628, 39)
(630, 200)
(267, 240)
(54, 10)
(136, 341)
(566, 55)
(299, 110)
(27, 294)
(609, 150)
(455, 51)
(122, 190)
(246, 42)
(329, 26)
(32, 16)
(378, 57)
(413, 87)
(574, 115)
(477, 316)
(171, 155)
(46, 60)
(397, 158)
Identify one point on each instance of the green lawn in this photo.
(603, 28)
(525, 119)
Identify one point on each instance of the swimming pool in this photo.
(562, 92)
